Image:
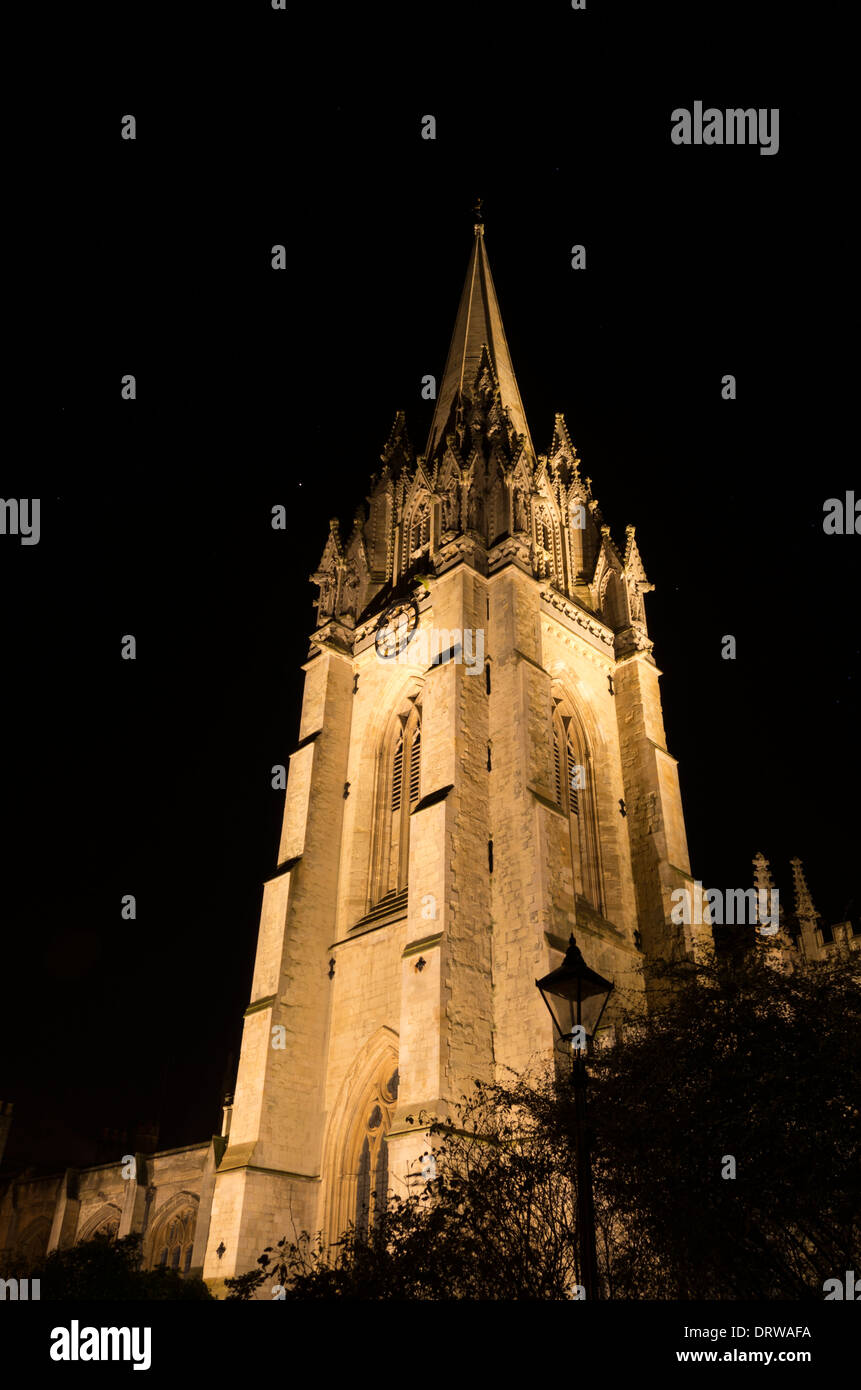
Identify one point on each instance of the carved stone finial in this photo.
(804, 906)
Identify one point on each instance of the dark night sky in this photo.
(256, 388)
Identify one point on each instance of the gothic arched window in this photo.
(576, 774)
(372, 1180)
(401, 791)
(106, 1223)
(575, 794)
(361, 1190)
(415, 765)
(173, 1239)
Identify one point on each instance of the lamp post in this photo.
(576, 998)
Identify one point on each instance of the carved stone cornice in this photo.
(335, 635)
(578, 617)
(512, 549)
(633, 639)
(465, 548)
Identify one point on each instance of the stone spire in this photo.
(478, 324)
(804, 908)
(770, 922)
(481, 495)
(765, 895)
(806, 916)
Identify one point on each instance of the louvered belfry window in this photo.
(415, 766)
(578, 802)
(398, 775)
(573, 788)
(557, 769)
(569, 800)
(402, 797)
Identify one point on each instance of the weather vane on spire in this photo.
(477, 213)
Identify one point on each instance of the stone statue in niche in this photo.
(327, 597)
(350, 589)
(474, 511)
(635, 603)
(450, 518)
(519, 510)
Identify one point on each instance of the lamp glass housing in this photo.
(575, 995)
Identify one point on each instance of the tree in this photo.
(497, 1222)
(726, 1140)
(748, 1061)
(105, 1269)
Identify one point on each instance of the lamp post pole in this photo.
(585, 1207)
(576, 998)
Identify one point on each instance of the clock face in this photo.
(396, 629)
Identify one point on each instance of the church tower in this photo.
(481, 769)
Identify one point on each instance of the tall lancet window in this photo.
(372, 1185)
(173, 1238)
(415, 765)
(363, 1189)
(576, 774)
(398, 775)
(358, 1162)
(575, 794)
(400, 792)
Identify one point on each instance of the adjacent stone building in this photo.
(165, 1197)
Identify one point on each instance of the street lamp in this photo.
(576, 998)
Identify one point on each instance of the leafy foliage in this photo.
(746, 1060)
(737, 1058)
(105, 1269)
(496, 1222)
